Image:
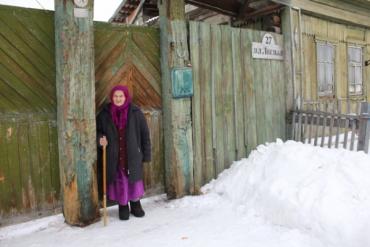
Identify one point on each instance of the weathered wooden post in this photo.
(364, 132)
(176, 111)
(76, 109)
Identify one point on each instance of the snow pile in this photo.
(284, 195)
(323, 192)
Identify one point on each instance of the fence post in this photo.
(364, 131)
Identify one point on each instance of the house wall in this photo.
(341, 35)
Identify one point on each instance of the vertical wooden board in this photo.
(35, 163)
(54, 161)
(238, 89)
(154, 170)
(227, 96)
(5, 186)
(28, 197)
(249, 92)
(280, 95)
(45, 166)
(196, 104)
(218, 102)
(206, 101)
(13, 161)
(258, 71)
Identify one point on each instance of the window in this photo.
(325, 68)
(355, 85)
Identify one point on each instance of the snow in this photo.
(284, 195)
(102, 10)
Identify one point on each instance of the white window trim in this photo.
(355, 45)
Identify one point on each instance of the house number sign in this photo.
(267, 49)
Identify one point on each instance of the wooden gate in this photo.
(130, 56)
(29, 171)
(239, 101)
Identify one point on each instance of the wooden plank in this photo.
(54, 161)
(325, 109)
(226, 93)
(206, 101)
(154, 170)
(364, 128)
(14, 176)
(249, 92)
(339, 119)
(281, 93)
(331, 128)
(34, 144)
(218, 96)
(238, 88)
(196, 105)
(45, 166)
(5, 188)
(299, 128)
(317, 125)
(353, 131)
(259, 77)
(28, 196)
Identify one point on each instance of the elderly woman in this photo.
(122, 128)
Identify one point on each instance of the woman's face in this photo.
(119, 98)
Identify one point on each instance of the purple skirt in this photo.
(122, 191)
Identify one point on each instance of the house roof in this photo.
(240, 9)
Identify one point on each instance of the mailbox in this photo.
(182, 82)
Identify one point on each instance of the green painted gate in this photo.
(29, 172)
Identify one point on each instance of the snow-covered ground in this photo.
(284, 195)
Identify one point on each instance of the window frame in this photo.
(354, 94)
(333, 45)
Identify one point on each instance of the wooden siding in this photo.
(341, 36)
(29, 172)
(238, 103)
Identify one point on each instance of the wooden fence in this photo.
(333, 124)
(238, 102)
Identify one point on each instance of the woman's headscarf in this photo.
(119, 113)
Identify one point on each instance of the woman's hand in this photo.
(103, 141)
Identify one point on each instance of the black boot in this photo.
(124, 212)
(136, 209)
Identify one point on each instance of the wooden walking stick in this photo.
(105, 184)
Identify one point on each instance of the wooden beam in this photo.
(75, 85)
(263, 11)
(354, 17)
(212, 7)
(176, 112)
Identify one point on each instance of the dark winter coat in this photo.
(138, 143)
